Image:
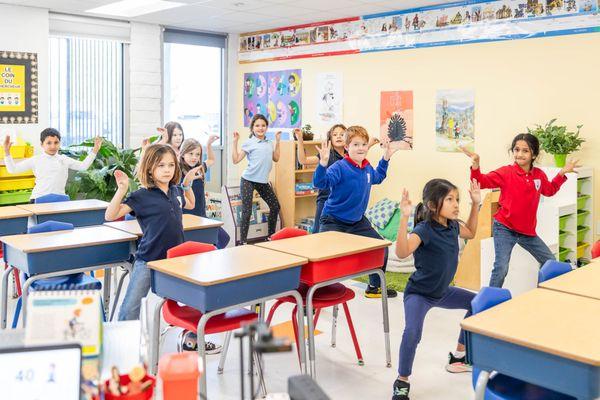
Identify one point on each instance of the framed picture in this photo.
(18, 87)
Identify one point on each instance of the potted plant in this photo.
(556, 140)
(307, 133)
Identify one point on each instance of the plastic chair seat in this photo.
(332, 295)
(187, 318)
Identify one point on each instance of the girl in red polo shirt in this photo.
(521, 185)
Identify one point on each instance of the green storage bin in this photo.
(562, 235)
(15, 197)
(581, 231)
(562, 254)
(581, 249)
(581, 201)
(581, 216)
(562, 222)
(580, 183)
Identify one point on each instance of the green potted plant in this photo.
(556, 140)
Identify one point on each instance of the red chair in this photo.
(187, 317)
(328, 296)
(596, 250)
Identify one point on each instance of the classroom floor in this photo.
(338, 372)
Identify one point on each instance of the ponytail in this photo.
(420, 212)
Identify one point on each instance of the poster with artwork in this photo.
(455, 120)
(275, 94)
(330, 97)
(396, 118)
(18, 88)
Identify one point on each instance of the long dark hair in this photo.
(434, 193)
(170, 127)
(333, 128)
(531, 140)
(256, 118)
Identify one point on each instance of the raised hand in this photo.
(390, 148)
(97, 144)
(192, 175)
(278, 137)
(405, 204)
(324, 152)
(164, 135)
(7, 145)
(212, 139)
(570, 166)
(122, 180)
(473, 156)
(145, 143)
(475, 192)
(236, 136)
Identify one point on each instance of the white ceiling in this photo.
(236, 16)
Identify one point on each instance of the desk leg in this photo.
(4, 305)
(106, 290)
(386, 318)
(301, 339)
(481, 384)
(311, 331)
(155, 337)
(202, 354)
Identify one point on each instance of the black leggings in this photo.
(266, 192)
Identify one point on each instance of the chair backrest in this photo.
(51, 198)
(489, 297)
(596, 250)
(286, 233)
(50, 226)
(129, 217)
(188, 248)
(552, 269)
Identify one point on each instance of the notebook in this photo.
(65, 316)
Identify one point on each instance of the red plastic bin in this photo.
(179, 374)
(145, 395)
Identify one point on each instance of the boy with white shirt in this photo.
(50, 168)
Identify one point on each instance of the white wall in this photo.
(26, 29)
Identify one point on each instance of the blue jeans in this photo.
(320, 205)
(361, 228)
(139, 285)
(415, 310)
(504, 241)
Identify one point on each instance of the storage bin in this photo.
(17, 197)
(19, 149)
(562, 222)
(581, 231)
(562, 254)
(561, 238)
(581, 201)
(581, 217)
(580, 183)
(5, 174)
(16, 184)
(581, 249)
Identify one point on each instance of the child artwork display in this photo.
(396, 118)
(455, 120)
(329, 98)
(275, 94)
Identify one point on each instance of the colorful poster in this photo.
(275, 94)
(396, 118)
(455, 120)
(330, 97)
(18, 87)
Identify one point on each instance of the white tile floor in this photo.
(338, 372)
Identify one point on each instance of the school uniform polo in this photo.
(160, 217)
(334, 157)
(198, 189)
(519, 194)
(436, 259)
(260, 159)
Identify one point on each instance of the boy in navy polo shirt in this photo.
(434, 243)
(349, 181)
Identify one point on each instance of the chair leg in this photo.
(259, 371)
(17, 278)
(353, 334)
(224, 353)
(334, 325)
(272, 311)
(317, 315)
(295, 326)
(17, 313)
(118, 294)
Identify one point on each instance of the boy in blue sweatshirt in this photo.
(349, 181)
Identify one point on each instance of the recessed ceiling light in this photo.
(239, 4)
(133, 8)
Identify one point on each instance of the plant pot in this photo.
(560, 160)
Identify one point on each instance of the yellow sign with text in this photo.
(12, 88)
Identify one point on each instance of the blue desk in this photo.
(13, 220)
(222, 280)
(77, 212)
(50, 254)
(544, 337)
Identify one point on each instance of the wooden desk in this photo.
(219, 281)
(584, 281)
(335, 257)
(13, 220)
(78, 212)
(545, 337)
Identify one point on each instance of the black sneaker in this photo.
(373, 292)
(457, 365)
(190, 343)
(401, 389)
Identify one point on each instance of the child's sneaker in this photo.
(401, 389)
(373, 292)
(457, 365)
(190, 343)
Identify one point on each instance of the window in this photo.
(86, 89)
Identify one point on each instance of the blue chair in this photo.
(78, 281)
(129, 217)
(503, 387)
(51, 198)
(552, 269)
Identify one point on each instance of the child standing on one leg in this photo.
(434, 243)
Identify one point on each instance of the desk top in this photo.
(325, 245)
(584, 281)
(190, 222)
(226, 265)
(8, 212)
(545, 320)
(65, 206)
(60, 240)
